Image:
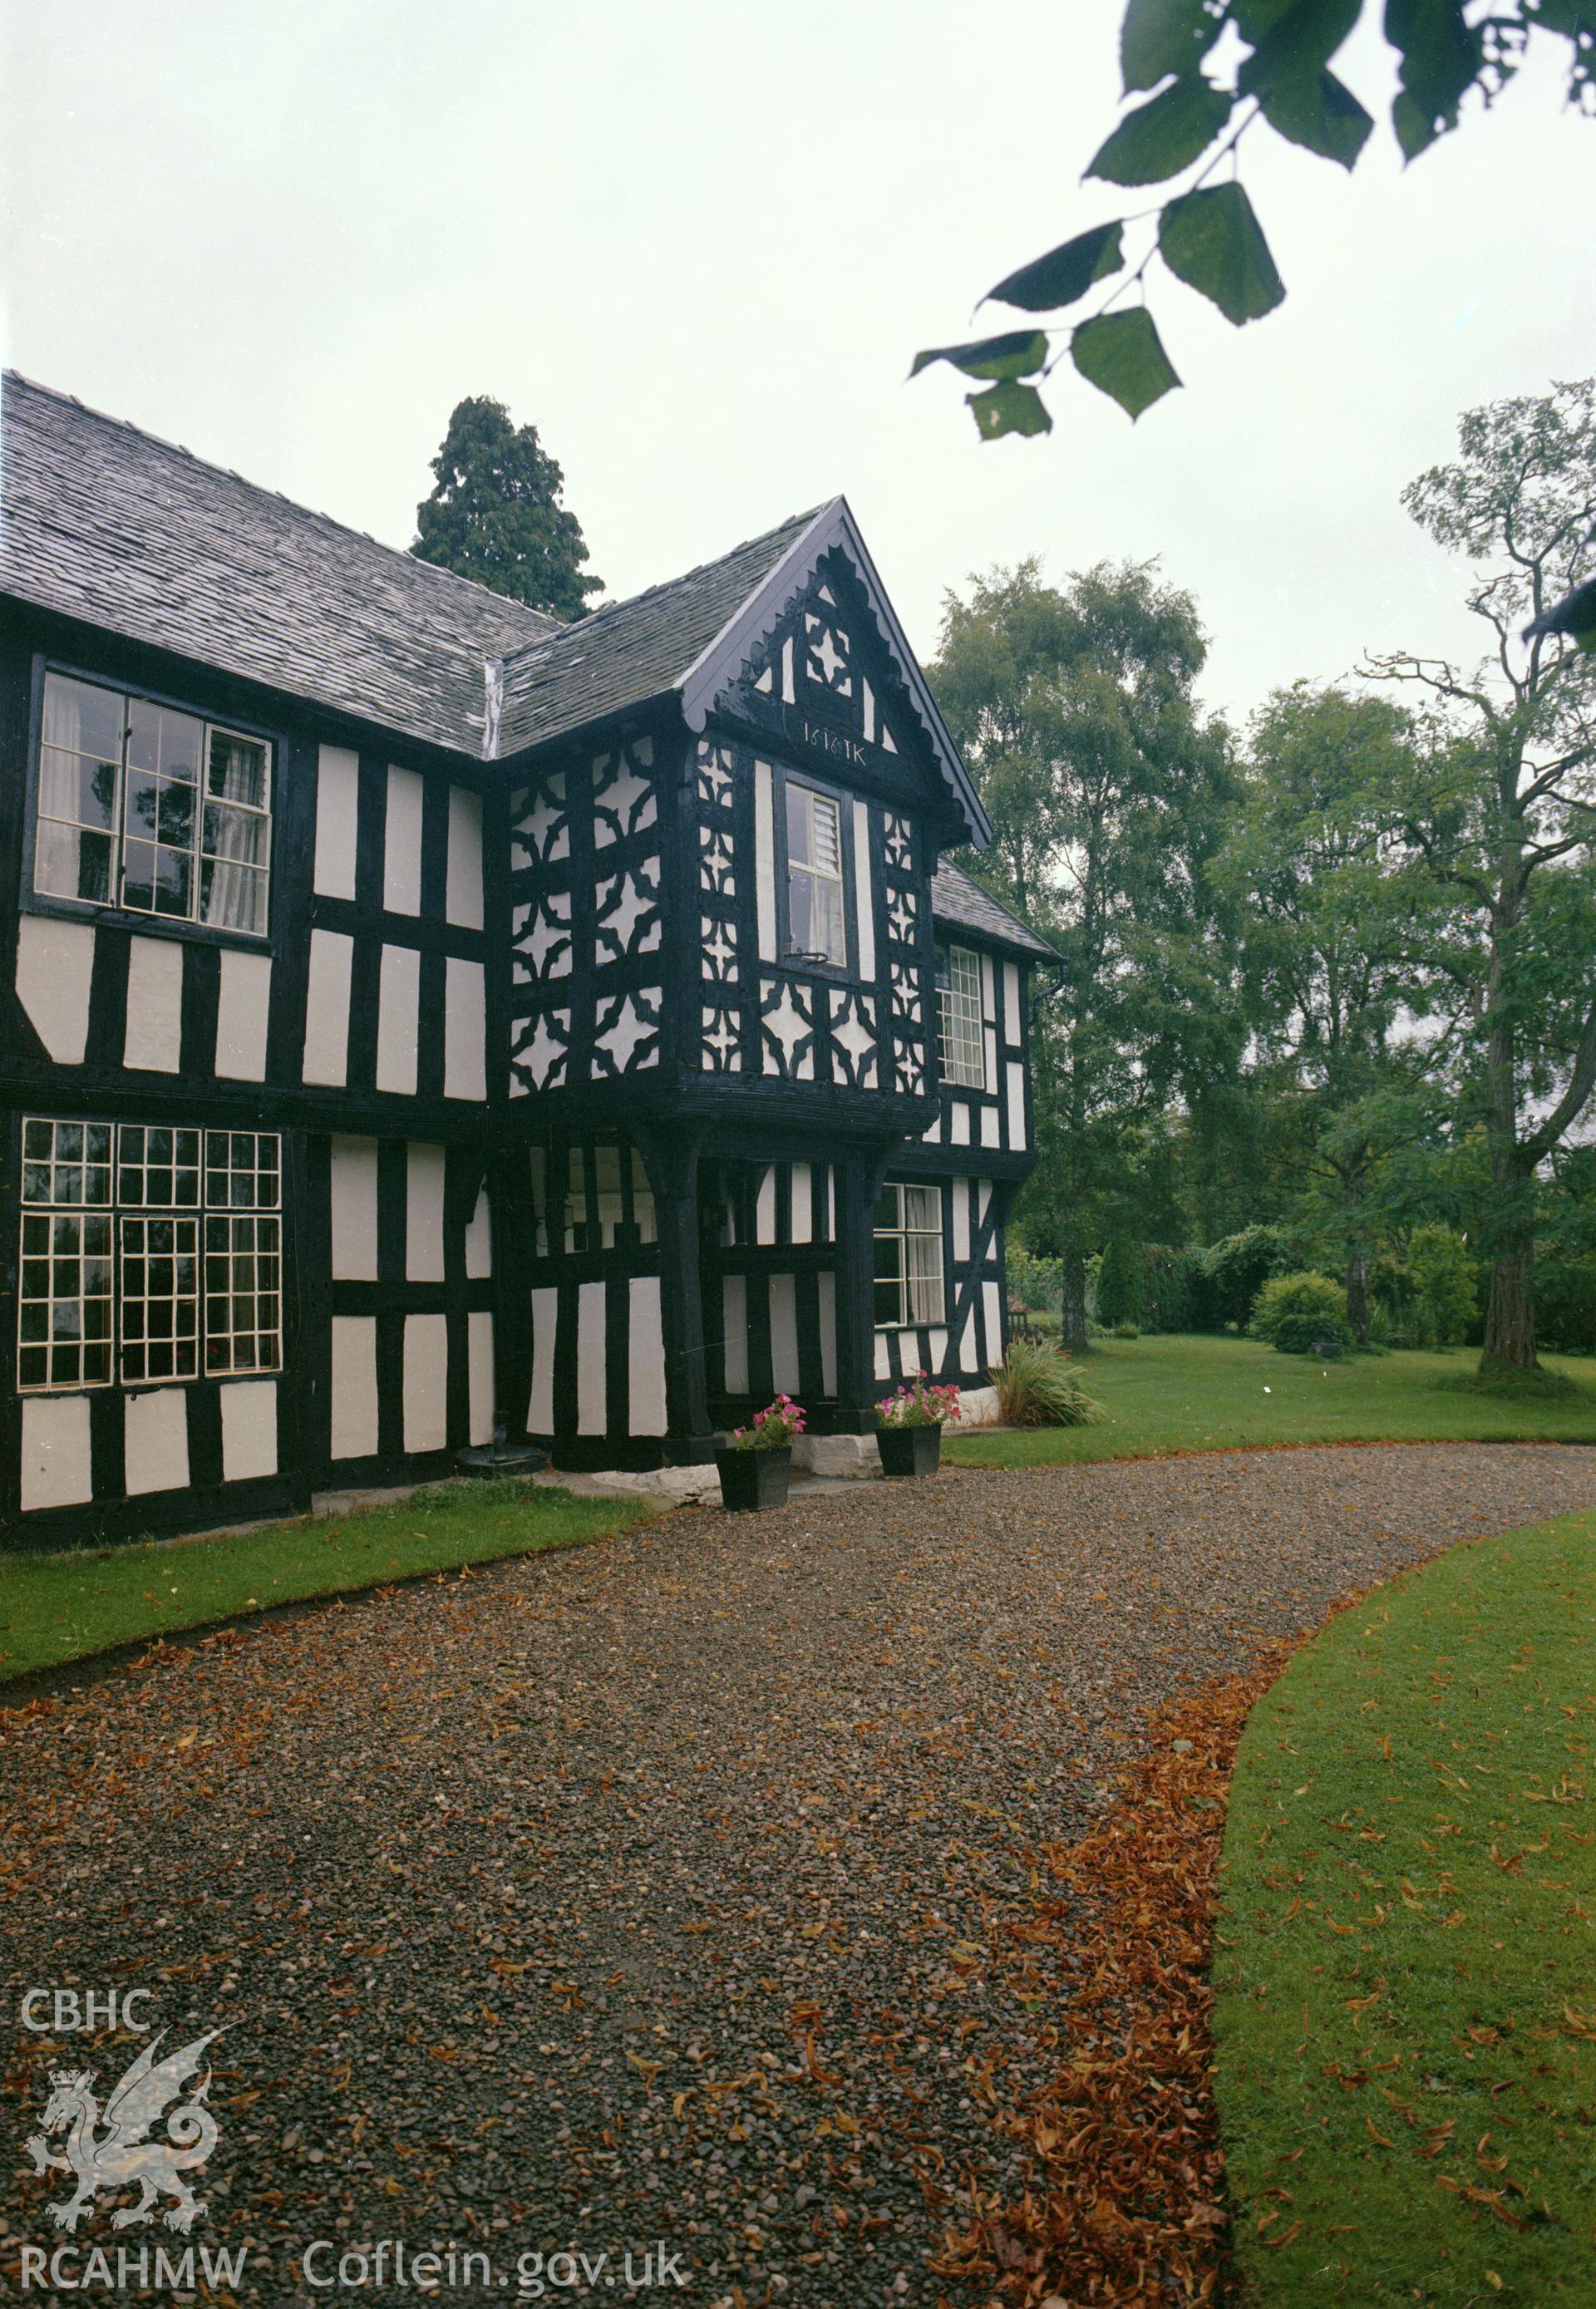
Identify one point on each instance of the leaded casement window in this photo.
(144, 806)
(150, 1252)
(909, 1271)
(961, 1048)
(817, 922)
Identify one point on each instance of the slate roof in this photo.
(105, 524)
(625, 652)
(956, 899)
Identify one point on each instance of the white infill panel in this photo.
(398, 1019)
(827, 1283)
(479, 1239)
(765, 858)
(646, 1359)
(426, 1382)
(401, 845)
(784, 1334)
(248, 1430)
(961, 1220)
(55, 1451)
(354, 1387)
(424, 1212)
(590, 1360)
(54, 966)
(465, 1030)
(155, 1441)
(153, 1038)
(337, 814)
(540, 1404)
(479, 1356)
(351, 1186)
(1016, 1104)
(463, 891)
(802, 1203)
(326, 1007)
(242, 1011)
(733, 1304)
(864, 892)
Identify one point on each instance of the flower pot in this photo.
(754, 1479)
(910, 1450)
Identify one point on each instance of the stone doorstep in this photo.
(819, 1461)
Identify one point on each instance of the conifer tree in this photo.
(495, 514)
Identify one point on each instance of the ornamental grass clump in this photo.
(916, 1405)
(772, 1429)
(1299, 1314)
(1038, 1385)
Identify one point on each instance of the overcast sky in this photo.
(697, 242)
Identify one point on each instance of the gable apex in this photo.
(751, 624)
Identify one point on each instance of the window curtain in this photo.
(235, 839)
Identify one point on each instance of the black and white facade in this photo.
(416, 1012)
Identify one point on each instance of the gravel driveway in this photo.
(636, 1894)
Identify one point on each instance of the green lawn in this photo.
(1191, 1394)
(54, 1608)
(1405, 1963)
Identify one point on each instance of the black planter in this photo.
(910, 1450)
(754, 1479)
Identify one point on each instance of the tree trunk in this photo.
(1072, 1304)
(1510, 1320)
(1358, 1290)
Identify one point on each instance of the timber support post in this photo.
(671, 1160)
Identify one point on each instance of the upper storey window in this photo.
(144, 806)
(816, 923)
(960, 1045)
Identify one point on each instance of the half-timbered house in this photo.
(418, 1013)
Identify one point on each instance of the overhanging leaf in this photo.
(1442, 57)
(1016, 353)
(1065, 272)
(1008, 407)
(1159, 139)
(1212, 240)
(1300, 41)
(1121, 353)
(1321, 114)
(1160, 37)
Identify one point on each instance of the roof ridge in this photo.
(14, 377)
(663, 584)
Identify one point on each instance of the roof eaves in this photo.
(832, 522)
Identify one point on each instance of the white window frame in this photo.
(920, 1281)
(205, 1205)
(961, 1022)
(833, 880)
(115, 834)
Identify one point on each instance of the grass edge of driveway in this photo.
(1400, 2019)
(59, 1608)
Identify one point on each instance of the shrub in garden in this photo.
(1035, 1283)
(1231, 1273)
(1126, 1331)
(1295, 1313)
(1119, 1282)
(1565, 1295)
(1168, 1280)
(1040, 1387)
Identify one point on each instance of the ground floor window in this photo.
(150, 1252)
(909, 1284)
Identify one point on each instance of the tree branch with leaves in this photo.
(1196, 114)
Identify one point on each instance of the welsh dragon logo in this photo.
(108, 2149)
